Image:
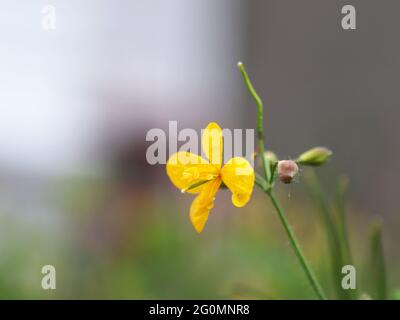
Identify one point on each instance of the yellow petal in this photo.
(203, 203)
(212, 144)
(185, 169)
(238, 175)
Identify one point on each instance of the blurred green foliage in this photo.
(114, 241)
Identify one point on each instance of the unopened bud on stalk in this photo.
(271, 156)
(314, 157)
(287, 169)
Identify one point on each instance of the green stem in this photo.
(296, 247)
(261, 182)
(334, 241)
(267, 183)
(378, 260)
(260, 134)
(341, 209)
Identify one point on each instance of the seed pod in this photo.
(287, 169)
(314, 157)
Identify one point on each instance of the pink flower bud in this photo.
(287, 169)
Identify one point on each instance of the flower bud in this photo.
(271, 156)
(287, 169)
(314, 157)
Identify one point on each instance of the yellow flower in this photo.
(194, 174)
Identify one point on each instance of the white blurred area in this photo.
(108, 72)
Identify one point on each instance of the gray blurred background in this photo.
(328, 86)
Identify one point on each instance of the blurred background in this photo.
(77, 99)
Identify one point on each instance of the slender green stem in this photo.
(267, 184)
(273, 171)
(339, 215)
(260, 181)
(334, 241)
(260, 133)
(341, 209)
(378, 260)
(296, 247)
